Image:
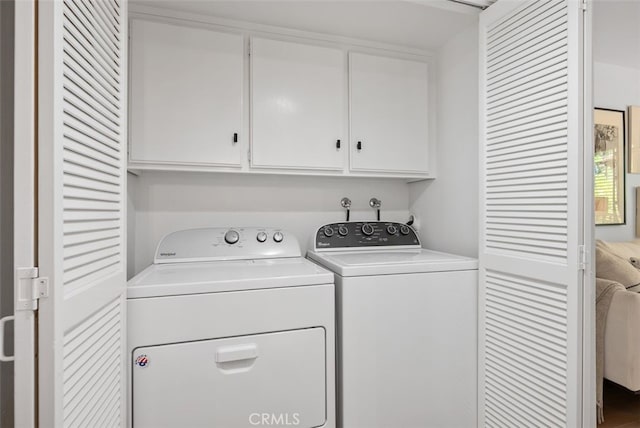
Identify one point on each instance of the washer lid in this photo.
(364, 263)
(215, 277)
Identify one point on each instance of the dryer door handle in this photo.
(228, 354)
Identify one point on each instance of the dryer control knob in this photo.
(343, 231)
(328, 231)
(404, 229)
(231, 237)
(392, 230)
(367, 229)
(278, 236)
(261, 236)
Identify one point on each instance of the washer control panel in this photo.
(358, 234)
(226, 243)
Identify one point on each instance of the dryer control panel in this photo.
(361, 234)
(226, 243)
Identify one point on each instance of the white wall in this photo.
(617, 87)
(162, 202)
(448, 206)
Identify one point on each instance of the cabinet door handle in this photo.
(338, 144)
(235, 137)
(359, 145)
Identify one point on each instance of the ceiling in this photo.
(616, 32)
(420, 24)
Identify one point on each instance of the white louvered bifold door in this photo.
(82, 172)
(531, 214)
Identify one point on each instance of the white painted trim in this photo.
(576, 200)
(50, 369)
(268, 30)
(137, 168)
(589, 381)
(451, 6)
(24, 249)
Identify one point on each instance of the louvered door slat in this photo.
(87, 135)
(542, 66)
(107, 14)
(530, 26)
(107, 42)
(114, 6)
(512, 59)
(97, 20)
(530, 214)
(79, 95)
(533, 375)
(522, 112)
(513, 397)
(108, 23)
(92, 54)
(87, 102)
(516, 152)
(83, 79)
(515, 20)
(90, 247)
(86, 183)
(528, 87)
(94, 122)
(82, 180)
(90, 142)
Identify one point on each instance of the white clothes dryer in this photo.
(406, 327)
(231, 328)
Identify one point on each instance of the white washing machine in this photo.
(231, 328)
(406, 328)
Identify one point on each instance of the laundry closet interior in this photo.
(269, 115)
(186, 171)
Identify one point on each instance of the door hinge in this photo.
(583, 4)
(30, 288)
(249, 155)
(583, 257)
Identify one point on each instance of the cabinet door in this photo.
(389, 114)
(298, 100)
(186, 94)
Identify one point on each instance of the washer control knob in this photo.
(231, 237)
(328, 231)
(261, 236)
(367, 229)
(404, 229)
(343, 231)
(278, 237)
(392, 230)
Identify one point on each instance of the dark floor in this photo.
(621, 407)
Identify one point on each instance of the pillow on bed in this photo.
(615, 268)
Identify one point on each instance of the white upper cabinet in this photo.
(389, 114)
(186, 95)
(298, 105)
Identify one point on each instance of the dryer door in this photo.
(275, 379)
